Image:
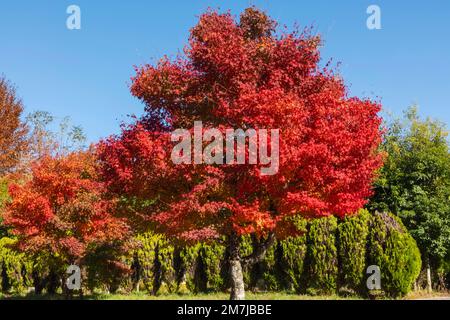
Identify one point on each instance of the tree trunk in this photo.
(429, 286)
(236, 275)
(237, 281)
(237, 262)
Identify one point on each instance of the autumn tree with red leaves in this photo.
(243, 75)
(59, 214)
(13, 132)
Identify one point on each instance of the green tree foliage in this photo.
(3, 192)
(352, 242)
(166, 280)
(154, 264)
(107, 268)
(266, 273)
(415, 182)
(212, 256)
(187, 268)
(246, 248)
(15, 268)
(322, 256)
(3, 198)
(293, 252)
(202, 267)
(396, 253)
(147, 255)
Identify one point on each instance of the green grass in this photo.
(211, 296)
(220, 296)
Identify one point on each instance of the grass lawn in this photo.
(418, 295)
(211, 296)
(223, 296)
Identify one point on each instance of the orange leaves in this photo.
(248, 219)
(13, 140)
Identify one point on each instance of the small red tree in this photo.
(59, 213)
(242, 75)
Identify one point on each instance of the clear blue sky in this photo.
(85, 73)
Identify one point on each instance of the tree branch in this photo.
(259, 252)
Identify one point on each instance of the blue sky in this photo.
(85, 73)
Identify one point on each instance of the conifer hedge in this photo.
(328, 256)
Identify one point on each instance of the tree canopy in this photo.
(60, 211)
(241, 74)
(13, 134)
(415, 181)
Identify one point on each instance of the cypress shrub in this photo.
(166, 280)
(293, 252)
(264, 275)
(352, 242)
(188, 262)
(246, 249)
(328, 256)
(202, 268)
(146, 255)
(395, 252)
(4, 197)
(212, 256)
(156, 260)
(15, 269)
(322, 256)
(270, 269)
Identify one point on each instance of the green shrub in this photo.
(188, 265)
(201, 268)
(264, 275)
(270, 271)
(246, 249)
(395, 252)
(322, 257)
(4, 196)
(326, 256)
(352, 242)
(155, 262)
(15, 269)
(212, 256)
(293, 252)
(146, 255)
(166, 279)
(106, 268)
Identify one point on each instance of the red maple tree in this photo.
(243, 75)
(59, 211)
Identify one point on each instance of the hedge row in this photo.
(329, 257)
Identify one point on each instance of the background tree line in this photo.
(414, 183)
